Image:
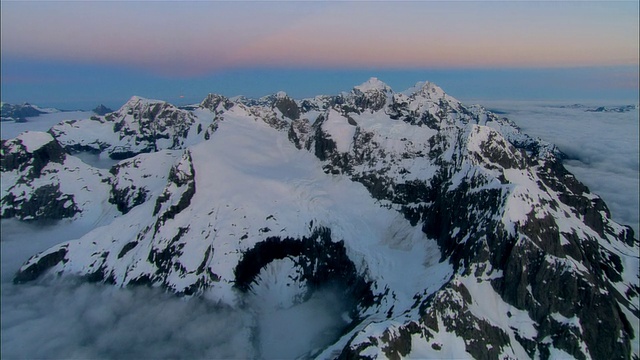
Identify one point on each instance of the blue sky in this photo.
(84, 86)
(78, 54)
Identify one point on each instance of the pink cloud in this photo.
(196, 38)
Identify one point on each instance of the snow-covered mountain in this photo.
(448, 232)
(20, 112)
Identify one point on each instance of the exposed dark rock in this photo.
(144, 123)
(184, 179)
(618, 109)
(117, 154)
(163, 258)
(288, 107)
(35, 270)
(102, 110)
(323, 144)
(98, 275)
(299, 132)
(45, 203)
(16, 157)
(216, 103)
(398, 346)
(126, 248)
(127, 198)
(372, 99)
(319, 103)
(18, 113)
(323, 262)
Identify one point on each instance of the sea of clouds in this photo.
(44, 122)
(65, 318)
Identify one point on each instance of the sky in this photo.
(77, 54)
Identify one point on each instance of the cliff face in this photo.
(453, 233)
(40, 181)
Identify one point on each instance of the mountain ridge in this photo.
(423, 175)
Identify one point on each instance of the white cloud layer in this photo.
(85, 321)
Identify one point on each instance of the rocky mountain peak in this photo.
(214, 101)
(30, 152)
(287, 106)
(373, 84)
(138, 102)
(371, 95)
(18, 113)
(429, 89)
(102, 110)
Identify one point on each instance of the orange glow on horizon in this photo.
(342, 34)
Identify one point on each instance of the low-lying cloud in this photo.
(89, 321)
(66, 318)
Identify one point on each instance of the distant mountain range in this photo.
(619, 109)
(20, 113)
(450, 231)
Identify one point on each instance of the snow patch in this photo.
(34, 140)
(373, 84)
(341, 132)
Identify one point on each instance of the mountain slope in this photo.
(20, 113)
(446, 227)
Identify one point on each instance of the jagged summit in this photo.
(445, 226)
(102, 110)
(373, 84)
(20, 113)
(140, 126)
(425, 88)
(371, 95)
(212, 101)
(138, 101)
